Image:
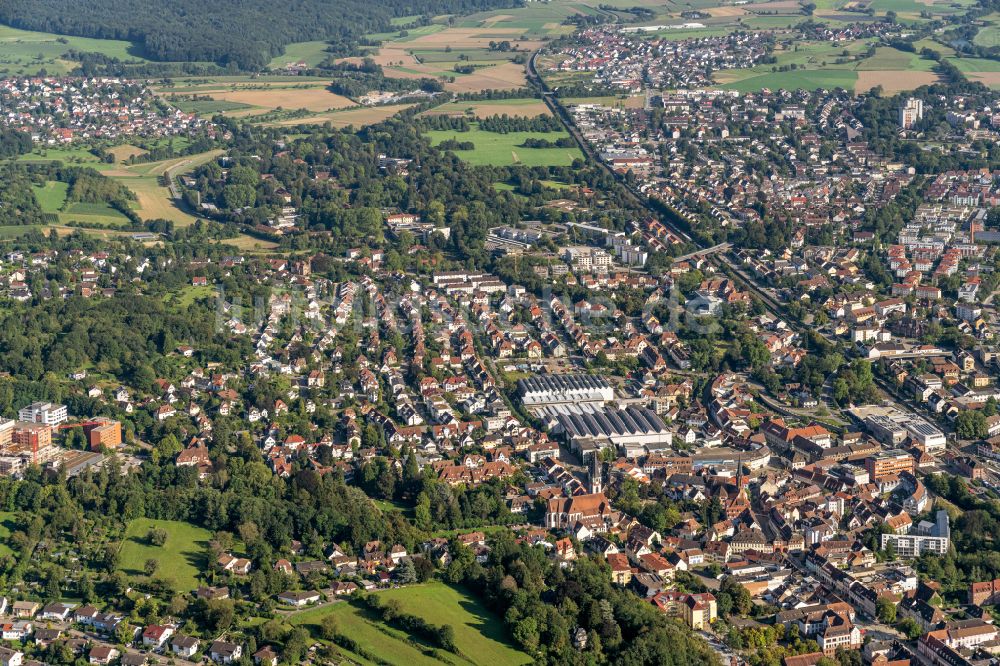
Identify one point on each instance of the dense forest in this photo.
(245, 33)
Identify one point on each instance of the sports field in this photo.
(181, 558)
(494, 149)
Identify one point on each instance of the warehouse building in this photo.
(547, 390)
(633, 431)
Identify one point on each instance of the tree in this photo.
(296, 646)
(885, 610)
(150, 566)
(157, 536)
(329, 627)
(971, 424)
(406, 573)
(990, 408)
(909, 627)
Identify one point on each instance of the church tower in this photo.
(596, 474)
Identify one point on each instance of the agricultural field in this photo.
(435, 50)
(479, 636)
(24, 52)
(360, 117)
(831, 66)
(495, 149)
(981, 70)
(512, 107)
(181, 557)
(238, 97)
(51, 198)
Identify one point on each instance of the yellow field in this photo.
(893, 81)
(247, 243)
(506, 76)
(313, 99)
(357, 117)
(125, 151)
(265, 96)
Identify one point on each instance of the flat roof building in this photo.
(43, 412)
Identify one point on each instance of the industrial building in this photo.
(633, 431)
(547, 390)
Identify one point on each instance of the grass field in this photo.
(512, 107)
(187, 295)
(249, 243)
(311, 53)
(496, 149)
(51, 196)
(888, 58)
(69, 156)
(24, 52)
(6, 528)
(209, 107)
(975, 64)
(181, 557)
(125, 151)
(479, 634)
(989, 35)
(93, 213)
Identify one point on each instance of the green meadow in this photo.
(479, 634)
(181, 558)
(494, 149)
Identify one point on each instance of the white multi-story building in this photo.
(925, 537)
(43, 412)
(911, 112)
